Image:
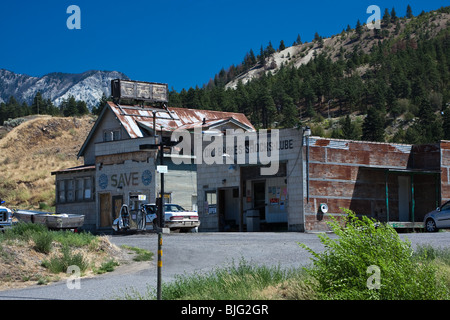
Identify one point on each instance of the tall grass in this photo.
(341, 272)
(343, 269)
(241, 281)
(44, 242)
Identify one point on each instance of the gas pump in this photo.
(133, 215)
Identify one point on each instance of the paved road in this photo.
(188, 253)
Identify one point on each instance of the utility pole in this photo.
(161, 219)
(160, 203)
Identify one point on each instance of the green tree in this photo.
(38, 106)
(282, 46)
(394, 17)
(359, 28)
(373, 126)
(69, 107)
(82, 108)
(386, 17)
(349, 129)
(409, 13)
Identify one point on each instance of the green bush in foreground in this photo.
(368, 260)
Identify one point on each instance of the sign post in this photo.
(160, 205)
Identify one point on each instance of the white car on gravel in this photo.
(176, 217)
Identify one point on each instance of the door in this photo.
(221, 209)
(117, 202)
(404, 198)
(105, 210)
(259, 198)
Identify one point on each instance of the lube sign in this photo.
(126, 179)
(235, 147)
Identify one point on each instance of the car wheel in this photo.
(430, 225)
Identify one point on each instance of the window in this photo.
(111, 135)
(87, 188)
(69, 192)
(61, 191)
(75, 190)
(79, 190)
(211, 202)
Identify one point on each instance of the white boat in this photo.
(51, 220)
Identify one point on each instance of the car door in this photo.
(443, 217)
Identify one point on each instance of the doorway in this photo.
(117, 202)
(105, 210)
(259, 198)
(404, 198)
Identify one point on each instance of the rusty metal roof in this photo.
(137, 119)
(134, 118)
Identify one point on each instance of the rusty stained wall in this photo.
(352, 174)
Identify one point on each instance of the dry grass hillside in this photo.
(31, 151)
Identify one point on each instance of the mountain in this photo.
(88, 86)
(386, 84)
(398, 31)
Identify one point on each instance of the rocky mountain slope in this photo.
(32, 150)
(343, 44)
(88, 86)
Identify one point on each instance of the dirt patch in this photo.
(22, 266)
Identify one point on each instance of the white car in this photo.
(176, 217)
(438, 219)
(5, 217)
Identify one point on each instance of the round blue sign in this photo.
(103, 181)
(146, 177)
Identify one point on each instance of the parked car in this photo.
(438, 219)
(5, 217)
(176, 217)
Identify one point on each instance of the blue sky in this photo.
(180, 42)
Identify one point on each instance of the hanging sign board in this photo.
(161, 169)
(138, 90)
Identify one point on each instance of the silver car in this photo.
(438, 219)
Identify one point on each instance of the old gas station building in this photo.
(116, 171)
(315, 177)
(318, 177)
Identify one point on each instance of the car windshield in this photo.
(151, 209)
(173, 208)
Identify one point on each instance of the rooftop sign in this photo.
(138, 90)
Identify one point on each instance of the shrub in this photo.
(60, 264)
(342, 270)
(43, 241)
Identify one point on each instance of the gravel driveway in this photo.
(194, 252)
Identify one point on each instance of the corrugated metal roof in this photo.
(133, 118)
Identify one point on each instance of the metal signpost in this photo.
(160, 204)
(155, 93)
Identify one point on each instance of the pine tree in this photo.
(386, 17)
(282, 46)
(38, 106)
(373, 126)
(349, 130)
(359, 28)
(393, 15)
(409, 13)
